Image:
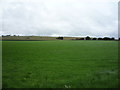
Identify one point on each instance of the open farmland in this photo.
(33, 38)
(60, 64)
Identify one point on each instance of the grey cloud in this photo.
(61, 17)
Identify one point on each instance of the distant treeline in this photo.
(9, 35)
(84, 38)
(89, 38)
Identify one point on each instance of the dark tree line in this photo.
(9, 35)
(86, 38)
(89, 38)
(105, 38)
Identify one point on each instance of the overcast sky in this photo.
(97, 18)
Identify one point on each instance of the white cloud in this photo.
(60, 17)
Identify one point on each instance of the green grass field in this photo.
(60, 64)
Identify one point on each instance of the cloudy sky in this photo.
(97, 18)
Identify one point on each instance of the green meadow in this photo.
(59, 64)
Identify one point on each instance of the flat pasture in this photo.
(60, 64)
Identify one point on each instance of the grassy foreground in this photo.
(60, 64)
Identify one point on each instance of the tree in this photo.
(106, 38)
(88, 38)
(8, 35)
(112, 38)
(60, 38)
(94, 39)
(100, 39)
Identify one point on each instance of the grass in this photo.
(60, 64)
